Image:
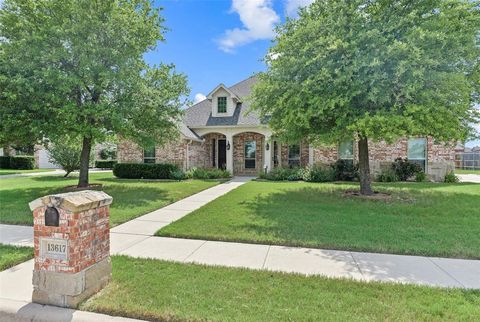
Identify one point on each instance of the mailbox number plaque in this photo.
(54, 248)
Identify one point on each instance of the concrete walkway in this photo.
(473, 178)
(45, 173)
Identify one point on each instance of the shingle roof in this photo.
(200, 114)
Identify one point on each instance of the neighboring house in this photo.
(219, 133)
(42, 157)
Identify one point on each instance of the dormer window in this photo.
(222, 104)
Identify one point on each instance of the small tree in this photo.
(66, 154)
(76, 68)
(373, 70)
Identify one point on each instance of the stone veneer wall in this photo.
(440, 157)
(239, 153)
(197, 155)
(173, 152)
(129, 152)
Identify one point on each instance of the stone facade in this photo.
(80, 266)
(239, 153)
(129, 152)
(440, 157)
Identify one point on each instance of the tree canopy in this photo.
(76, 68)
(375, 70)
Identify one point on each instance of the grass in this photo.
(131, 198)
(462, 171)
(13, 255)
(164, 291)
(422, 219)
(4, 172)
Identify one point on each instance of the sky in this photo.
(219, 41)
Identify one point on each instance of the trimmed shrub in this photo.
(5, 162)
(203, 173)
(144, 170)
(283, 174)
(387, 175)
(405, 169)
(318, 173)
(103, 164)
(450, 177)
(22, 162)
(345, 170)
(420, 177)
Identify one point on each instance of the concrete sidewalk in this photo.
(472, 178)
(54, 172)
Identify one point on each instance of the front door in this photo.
(222, 154)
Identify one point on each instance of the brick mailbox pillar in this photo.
(72, 247)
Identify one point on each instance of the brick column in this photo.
(230, 153)
(72, 247)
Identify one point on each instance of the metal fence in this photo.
(468, 160)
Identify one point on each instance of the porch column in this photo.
(267, 153)
(229, 138)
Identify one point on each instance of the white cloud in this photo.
(258, 20)
(198, 98)
(292, 6)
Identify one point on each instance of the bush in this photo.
(318, 173)
(144, 170)
(108, 153)
(102, 164)
(405, 169)
(22, 162)
(345, 170)
(420, 177)
(5, 162)
(178, 175)
(450, 177)
(283, 174)
(66, 154)
(202, 173)
(387, 175)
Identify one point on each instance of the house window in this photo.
(294, 155)
(417, 151)
(345, 150)
(250, 154)
(222, 104)
(149, 155)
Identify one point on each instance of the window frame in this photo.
(294, 161)
(224, 101)
(340, 157)
(421, 161)
(245, 158)
(148, 159)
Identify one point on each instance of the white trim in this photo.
(222, 86)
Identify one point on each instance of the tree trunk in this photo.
(84, 162)
(364, 167)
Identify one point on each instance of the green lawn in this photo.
(461, 171)
(4, 172)
(422, 219)
(131, 198)
(164, 291)
(13, 255)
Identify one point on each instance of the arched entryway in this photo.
(215, 150)
(248, 153)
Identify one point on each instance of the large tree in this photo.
(76, 68)
(373, 70)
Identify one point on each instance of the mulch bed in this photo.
(376, 195)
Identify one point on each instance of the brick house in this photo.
(219, 133)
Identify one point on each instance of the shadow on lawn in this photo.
(434, 224)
